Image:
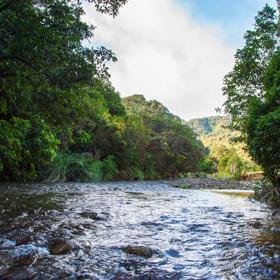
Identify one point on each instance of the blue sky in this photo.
(233, 17)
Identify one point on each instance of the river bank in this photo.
(212, 183)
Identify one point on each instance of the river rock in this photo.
(157, 274)
(256, 224)
(153, 274)
(141, 251)
(24, 240)
(275, 213)
(211, 183)
(92, 216)
(17, 273)
(60, 247)
(21, 256)
(25, 259)
(275, 229)
(172, 253)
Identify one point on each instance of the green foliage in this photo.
(25, 148)
(262, 123)
(135, 173)
(166, 146)
(252, 90)
(193, 175)
(209, 125)
(245, 81)
(47, 75)
(75, 167)
(69, 167)
(267, 193)
(207, 165)
(110, 7)
(59, 114)
(109, 168)
(231, 165)
(215, 134)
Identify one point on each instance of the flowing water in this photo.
(194, 234)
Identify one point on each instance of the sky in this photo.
(175, 51)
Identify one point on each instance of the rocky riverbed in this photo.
(143, 230)
(212, 183)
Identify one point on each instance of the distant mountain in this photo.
(215, 135)
(208, 125)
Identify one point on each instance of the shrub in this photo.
(231, 166)
(82, 168)
(26, 148)
(267, 193)
(207, 165)
(109, 168)
(75, 167)
(135, 174)
(264, 140)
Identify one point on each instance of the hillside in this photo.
(169, 143)
(214, 134)
(209, 125)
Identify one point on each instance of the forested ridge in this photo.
(229, 157)
(60, 118)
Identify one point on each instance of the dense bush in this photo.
(82, 168)
(231, 165)
(253, 95)
(207, 165)
(26, 148)
(263, 123)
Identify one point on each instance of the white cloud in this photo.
(165, 55)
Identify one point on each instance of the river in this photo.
(193, 234)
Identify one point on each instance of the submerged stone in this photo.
(256, 224)
(172, 253)
(17, 273)
(92, 216)
(275, 213)
(153, 274)
(24, 240)
(25, 259)
(21, 256)
(141, 251)
(60, 247)
(6, 243)
(275, 229)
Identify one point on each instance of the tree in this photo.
(45, 70)
(42, 54)
(262, 123)
(245, 81)
(253, 95)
